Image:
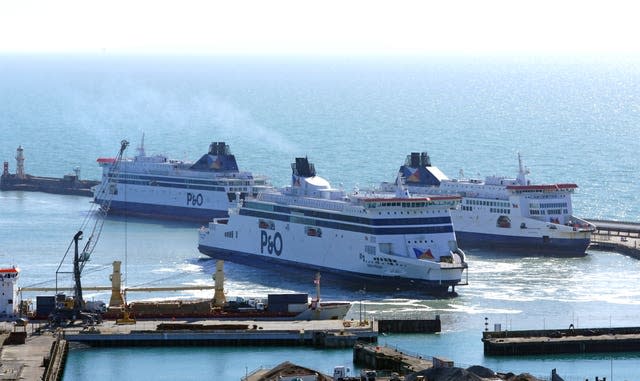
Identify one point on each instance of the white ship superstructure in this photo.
(9, 286)
(157, 186)
(502, 212)
(392, 239)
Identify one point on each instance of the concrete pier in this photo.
(33, 353)
(621, 237)
(40, 357)
(390, 359)
(554, 341)
(319, 333)
(410, 325)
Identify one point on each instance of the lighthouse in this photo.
(20, 163)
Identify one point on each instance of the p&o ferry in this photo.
(505, 213)
(156, 186)
(389, 239)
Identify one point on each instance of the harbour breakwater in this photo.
(50, 349)
(556, 341)
(69, 184)
(622, 237)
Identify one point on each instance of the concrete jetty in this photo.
(622, 237)
(40, 357)
(554, 341)
(384, 357)
(317, 333)
(39, 354)
(69, 184)
(410, 325)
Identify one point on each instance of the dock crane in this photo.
(68, 310)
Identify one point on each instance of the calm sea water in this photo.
(356, 119)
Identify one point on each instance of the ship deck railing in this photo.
(337, 205)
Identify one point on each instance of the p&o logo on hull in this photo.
(194, 199)
(273, 244)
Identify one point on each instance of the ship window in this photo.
(385, 248)
(503, 222)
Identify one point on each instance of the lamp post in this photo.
(362, 292)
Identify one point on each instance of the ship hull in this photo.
(168, 203)
(569, 247)
(523, 235)
(163, 211)
(336, 252)
(160, 187)
(373, 282)
(505, 213)
(202, 309)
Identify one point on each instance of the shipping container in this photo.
(44, 306)
(287, 298)
(297, 307)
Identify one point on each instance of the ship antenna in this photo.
(401, 190)
(522, 171)
(317, 283)
(141, 148)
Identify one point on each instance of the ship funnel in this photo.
(303, 168)
(219, 148)
(425, 161)
(415, 159)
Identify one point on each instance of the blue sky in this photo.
(325, 27)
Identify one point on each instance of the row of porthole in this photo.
(415, 212)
